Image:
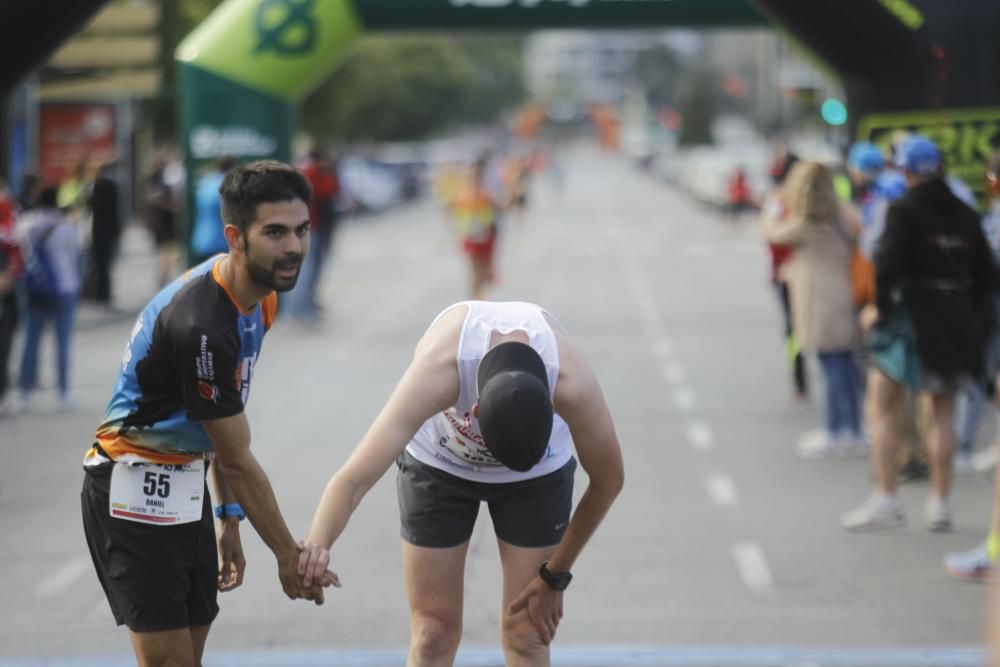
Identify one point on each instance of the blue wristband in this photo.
(228, 510)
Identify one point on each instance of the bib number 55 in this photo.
(156, 484)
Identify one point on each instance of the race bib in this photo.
(158, 494)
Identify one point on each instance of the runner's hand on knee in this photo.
(544, 607)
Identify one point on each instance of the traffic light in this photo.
(833, 111)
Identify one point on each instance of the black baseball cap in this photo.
(515, 410)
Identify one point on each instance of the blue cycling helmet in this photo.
(918, 155)
(866, 158)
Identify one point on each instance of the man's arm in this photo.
(232, 563)
(430, 385)
(249, 483)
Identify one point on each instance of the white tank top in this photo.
(451, 440)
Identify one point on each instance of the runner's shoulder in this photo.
(439, 344)
(199, 306)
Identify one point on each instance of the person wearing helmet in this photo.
(934, 284)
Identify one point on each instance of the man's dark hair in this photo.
(48, 197)
(262, 182)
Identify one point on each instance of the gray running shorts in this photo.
(438, 509)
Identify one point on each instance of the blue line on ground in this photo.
(598, 656)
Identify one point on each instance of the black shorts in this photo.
(155, 577)
(438, 509)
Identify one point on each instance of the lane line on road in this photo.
(674, 372)
(700, 436)
(721, 489)
(64, 577)
(753, 567)
(662, 347)
(579, 656)
(685, 399)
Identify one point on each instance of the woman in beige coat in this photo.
(822, 234)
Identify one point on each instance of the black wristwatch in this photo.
(557, 581)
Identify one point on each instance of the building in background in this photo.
(754, 73)
(82, 106)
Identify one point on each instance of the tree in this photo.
(497, 82)
(390, 89)
(402, 88)
(697, 108)
(658, 69)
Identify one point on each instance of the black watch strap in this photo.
(557, 581)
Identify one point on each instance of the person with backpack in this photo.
(51, 245)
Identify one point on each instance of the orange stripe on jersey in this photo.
(217, 275)
(269, 310)
(116, 446)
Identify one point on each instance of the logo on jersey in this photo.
(244, 375)
(208, 391)
(205, 362)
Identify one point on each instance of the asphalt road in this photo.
(724, 548)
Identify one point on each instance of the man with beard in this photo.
(178, 406)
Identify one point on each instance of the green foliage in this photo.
(697, 108)
(391, 88)
(497, 83)
(400, 88)
(658, 69)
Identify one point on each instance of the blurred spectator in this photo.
(773, 212)
(821, 233)
(738, 197)
(72, 194)
(52, 246)
(979, 563)
(106, 229)
(875, 184)
(161, 218)
(208, 238)
(10, 270)
(27, 195)
(934, 283)
(516, 177)
(476, 214)
(321, 173)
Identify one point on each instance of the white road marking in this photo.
(64, 577)
(700, 436)
(674, 372)
(721, 489)
(662, 346)
(685, 399)
(753, 567)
